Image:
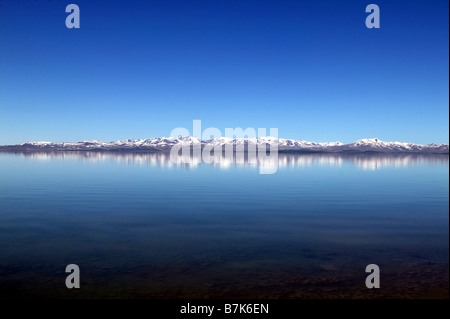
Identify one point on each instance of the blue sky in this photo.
(138, 69)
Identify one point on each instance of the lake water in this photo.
(141, 227)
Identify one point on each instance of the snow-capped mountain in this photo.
(238, 144)
(381, 146)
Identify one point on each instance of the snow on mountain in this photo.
(284, 145)
(378, 145)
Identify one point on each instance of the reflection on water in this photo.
(140, 228)
(363, 161)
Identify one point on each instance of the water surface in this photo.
(141, 227)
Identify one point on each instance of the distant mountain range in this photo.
(164, 144)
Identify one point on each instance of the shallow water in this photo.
(141, 227)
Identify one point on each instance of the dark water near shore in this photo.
(141, 227)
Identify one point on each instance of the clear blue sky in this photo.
(138, 69)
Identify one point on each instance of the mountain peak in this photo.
(369, 140)
(166, 143)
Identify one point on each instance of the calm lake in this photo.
(139, 226)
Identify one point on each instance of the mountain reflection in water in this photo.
(365, 161)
